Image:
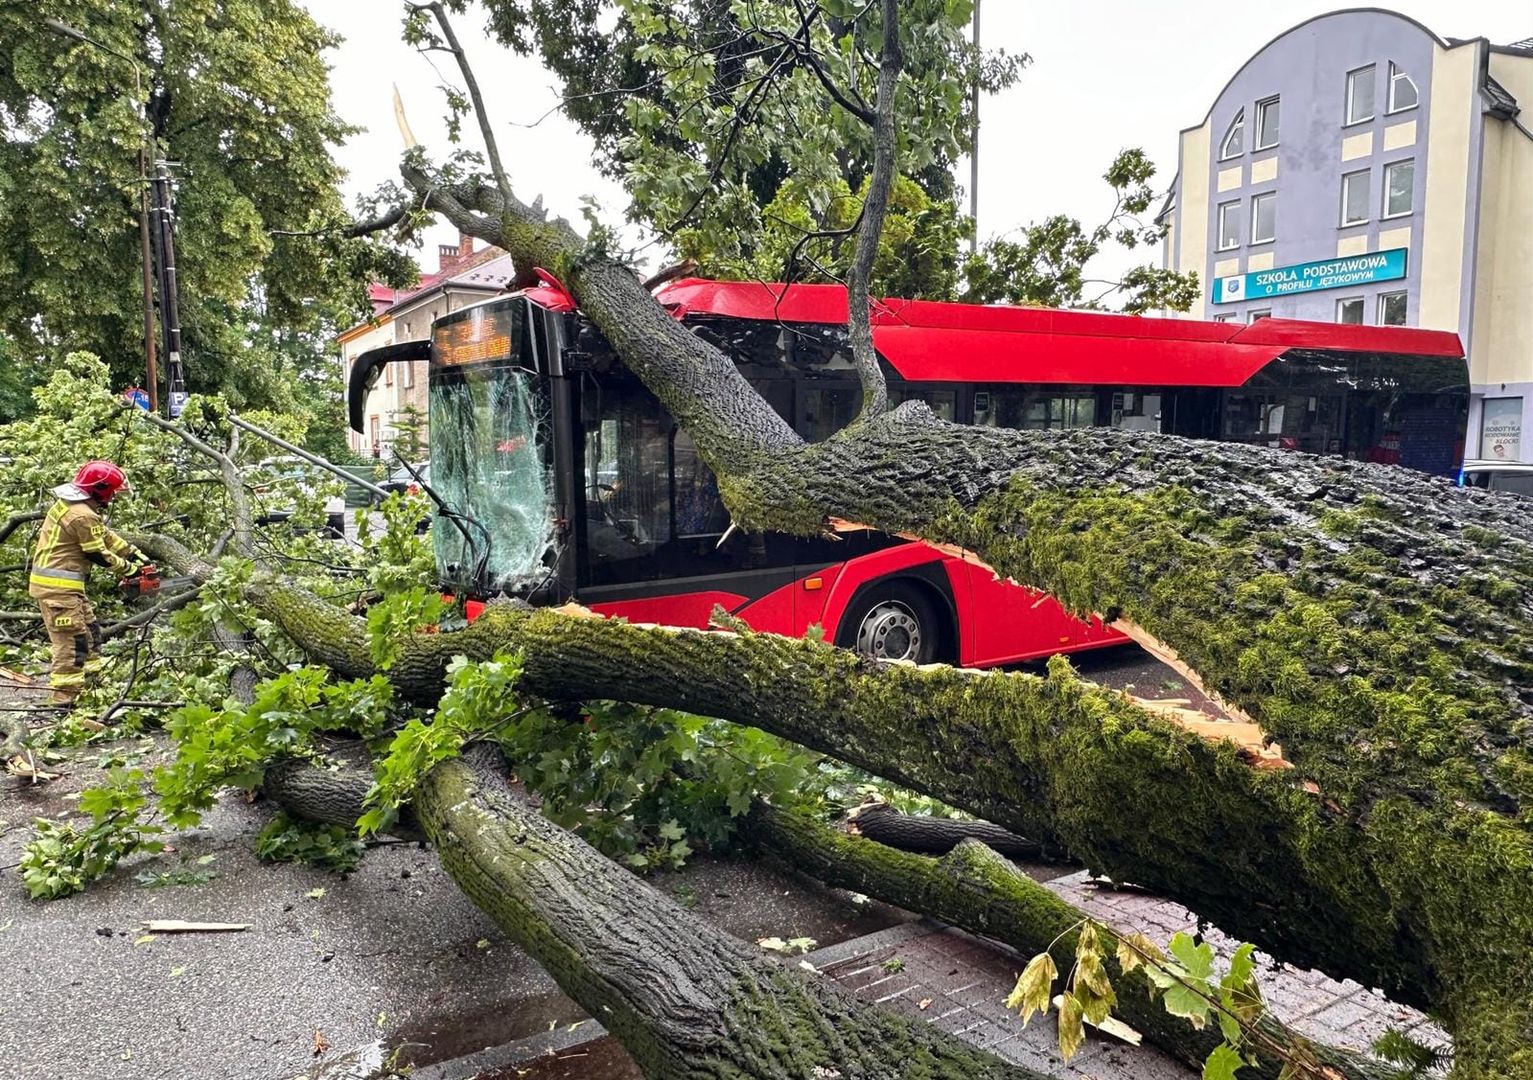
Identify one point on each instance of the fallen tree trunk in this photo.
(686, 999)
(1431, 902)
(933, 835)
(975, 889)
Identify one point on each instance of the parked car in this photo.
(1513, 476)
(310, 480)
(401, 480)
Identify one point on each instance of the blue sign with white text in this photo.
(1312, 276)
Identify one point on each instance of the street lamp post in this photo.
(150, 374)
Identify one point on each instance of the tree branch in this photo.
(875, 394)
(481, 114)
(234, 486)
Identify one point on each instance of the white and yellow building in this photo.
(464, 276)
(1359, 168)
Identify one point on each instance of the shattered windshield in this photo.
(489, 462)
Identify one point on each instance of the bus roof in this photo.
(944, 342)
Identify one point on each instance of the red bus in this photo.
(567, 480)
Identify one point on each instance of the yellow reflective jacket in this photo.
(72, 538)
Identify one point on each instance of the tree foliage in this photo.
(237, 95)
(705, 109)
(1049, 264)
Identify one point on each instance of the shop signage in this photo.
(1501, 429)
(1311, 277)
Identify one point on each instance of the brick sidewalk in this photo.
(959, 982)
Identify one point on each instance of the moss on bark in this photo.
(974, 888)
(689, 1001)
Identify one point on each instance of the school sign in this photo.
(1311, 277)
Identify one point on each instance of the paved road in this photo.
(393, 953)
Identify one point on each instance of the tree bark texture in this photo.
(685, 998)
(974, 888)
(933, 835)
(1379, 877)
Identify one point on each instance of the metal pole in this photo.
(151, 376)
(313, 459)
(974, 144)
(170, 312)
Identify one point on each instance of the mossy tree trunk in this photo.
(1383, 877)
(686, 999)
(1374, 621)
(974, 888)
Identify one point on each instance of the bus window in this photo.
(695, 490)
(942, 402)
(826, 408)
(627, 496)
(1134, 411)
(1311, 423)
(1035, 410)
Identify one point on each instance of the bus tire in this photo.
(894, 620)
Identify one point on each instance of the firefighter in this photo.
(73, 537)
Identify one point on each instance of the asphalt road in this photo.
(394, 954)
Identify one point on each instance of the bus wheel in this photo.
(893, 622)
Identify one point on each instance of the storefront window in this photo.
(1501, 429)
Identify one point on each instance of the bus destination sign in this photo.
(1311, 277)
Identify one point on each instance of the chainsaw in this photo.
(147, 583)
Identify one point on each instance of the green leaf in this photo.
(1197, 959)
(1223, 1063)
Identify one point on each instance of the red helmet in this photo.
(100, 480)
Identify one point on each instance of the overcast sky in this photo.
(1106, 74)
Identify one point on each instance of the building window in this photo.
(1360, 95)
(1234, 143)
(1265, 313)
(1229, 225)
(1354, 198)
(1350, 310)
(388, 374)
(1266, 124)
(1264, 218)
(1399, 188)
(1402, 90)
(1228, 316)
(1392, 309)
(407, 377)
(1501, 429)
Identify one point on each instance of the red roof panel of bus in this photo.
(929, 341)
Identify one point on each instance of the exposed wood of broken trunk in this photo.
(1380, 878)
(1374, 621)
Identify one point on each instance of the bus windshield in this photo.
(489, 453)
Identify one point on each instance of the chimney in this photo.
(451, 256)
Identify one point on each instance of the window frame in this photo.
(1389, 166)
(1362, 309)
(1239, 122)
(1227, 316)
(1256, 203)
(1398, 72)
(1347, 223)
(1347, 119)
(1220, 245)
(1257, 126)
(1384, 298)
(1258, 313)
